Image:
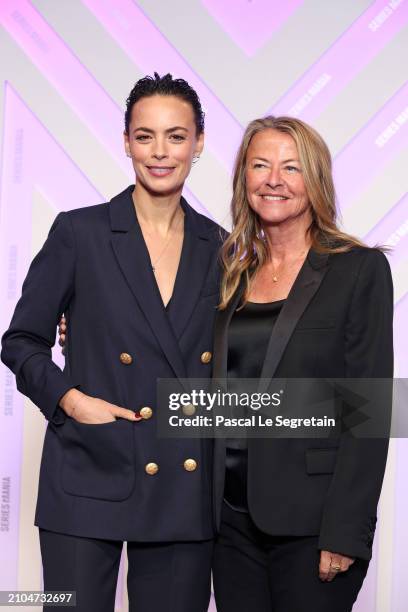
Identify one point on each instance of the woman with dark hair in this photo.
(299, 299)
(137, 279)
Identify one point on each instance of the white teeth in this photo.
(266, 197)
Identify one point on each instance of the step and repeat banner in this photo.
(67, 67)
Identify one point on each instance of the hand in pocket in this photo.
(92, 410)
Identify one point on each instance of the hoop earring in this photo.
(195, 159)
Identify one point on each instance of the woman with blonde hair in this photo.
(299, 299)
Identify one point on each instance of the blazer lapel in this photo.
(133, 258)
(304, 288)
(193, 268)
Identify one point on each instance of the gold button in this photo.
(189, 409)
(206, 357)
(126, 358)
(190, 465)
(146, 412)
(151, 468)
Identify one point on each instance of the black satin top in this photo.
(248, 337)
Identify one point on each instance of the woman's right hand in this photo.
(92, 410)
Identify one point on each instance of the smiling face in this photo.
(162, 142)
(274, 182)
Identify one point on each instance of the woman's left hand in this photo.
(332, 564)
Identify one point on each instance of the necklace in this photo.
(276, 272)
(154, 263)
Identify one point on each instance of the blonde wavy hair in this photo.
(246, 249)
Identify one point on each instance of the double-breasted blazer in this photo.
(95, 268)
(335, 323)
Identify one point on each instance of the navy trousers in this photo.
(164, 577)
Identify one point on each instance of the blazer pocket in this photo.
(321, 460)
(98, 459)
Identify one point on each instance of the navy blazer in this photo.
(95, 268)
(335, 323)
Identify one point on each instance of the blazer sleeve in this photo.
(349, 513)
(46, 294)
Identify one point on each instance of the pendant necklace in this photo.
(154, 263)
(276, 272)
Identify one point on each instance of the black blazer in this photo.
(335, 323)
(95, 268)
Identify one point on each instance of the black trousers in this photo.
(262, 573)
(168, 577)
